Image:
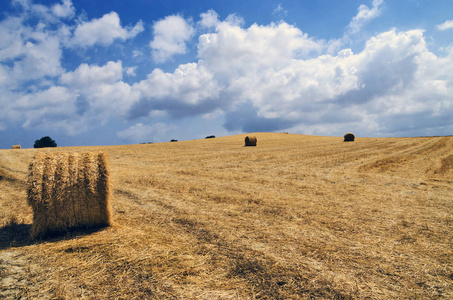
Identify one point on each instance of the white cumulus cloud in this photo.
(364, 15)
(170, 37)
(393, 85)
(446, 25)
(235, 49)
(209, 19)
(86, 76)
(35, 51)
(64, 10)
(100, 91)
(131, 71)
(48, 109)
(103, 31)
(188, 91)
(51, 14)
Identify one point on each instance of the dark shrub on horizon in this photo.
(45, 142)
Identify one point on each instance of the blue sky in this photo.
(118, 72)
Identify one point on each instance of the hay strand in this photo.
(68, 191)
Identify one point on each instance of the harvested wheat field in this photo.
(297, 217)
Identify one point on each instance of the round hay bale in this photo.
(17, 147)
(68, 191)
(250, 141)
(349, 137)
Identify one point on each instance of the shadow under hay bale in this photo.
(250, 141)
(349, 137)
(14, 235)
(68, 191)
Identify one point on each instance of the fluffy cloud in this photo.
(47, 109)
(235, 51)
(50, 14)
(209, 19)
(364, 15)
(34, 86)
(86, 76)
(64, 10)
(103, 31)
(29, 53)
(170, 37)
(131, 71)
(101, 93)
(190, 90)
(87, 97)
(261, 86)
(446, 25)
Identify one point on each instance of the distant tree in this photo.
(45, 142)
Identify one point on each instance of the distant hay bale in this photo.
(250, 141)
(349, 137)
(17, 147)
(68, 191)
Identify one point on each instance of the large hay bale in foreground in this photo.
(250, 141)
(17, 147)
(68, 191)
(349, 137)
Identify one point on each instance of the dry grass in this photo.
(299, 217)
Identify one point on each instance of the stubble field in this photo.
(297, 217)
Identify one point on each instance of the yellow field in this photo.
(297, 217)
